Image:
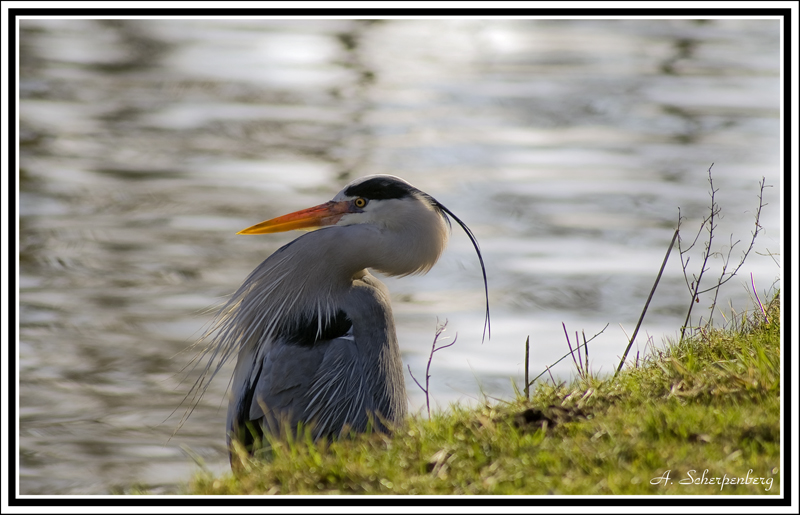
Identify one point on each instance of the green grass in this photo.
(709, 403)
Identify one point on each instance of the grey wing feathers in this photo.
(284, 381)
(332, 379)
(322, 385)
(338, 398)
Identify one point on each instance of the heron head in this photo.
(383, 200)
(417, 222)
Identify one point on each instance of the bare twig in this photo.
(709, 225)
(722, 279)
(758, 229)
(726, 275)
(439, 330)
(716, 289)
(647, 304)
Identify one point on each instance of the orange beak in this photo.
(314, 217)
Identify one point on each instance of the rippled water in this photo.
(566, 145)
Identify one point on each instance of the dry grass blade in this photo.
(559, 360)
(647, 304)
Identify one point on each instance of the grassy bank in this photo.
(686, 419)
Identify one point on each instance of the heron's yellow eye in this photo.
(360, 202)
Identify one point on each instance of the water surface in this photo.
(566, 145)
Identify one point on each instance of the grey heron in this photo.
(313, 329)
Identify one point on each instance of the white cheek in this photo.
(355, 218)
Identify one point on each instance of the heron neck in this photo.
(312, 273)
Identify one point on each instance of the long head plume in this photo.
(487, 325)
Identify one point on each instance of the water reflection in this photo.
(566, 145)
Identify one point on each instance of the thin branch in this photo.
(716, 288)
(725, 275)
(758, 229)
(685, 264)
(415, 380)
(439, 330)
(710, 226)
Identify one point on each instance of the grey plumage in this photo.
(313, 329)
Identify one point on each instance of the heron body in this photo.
(312, 329)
